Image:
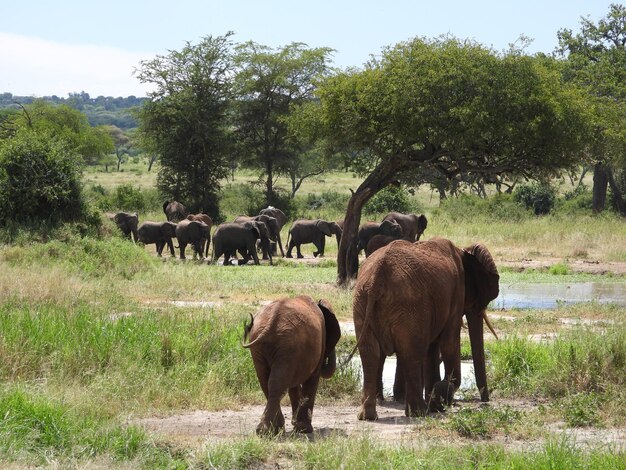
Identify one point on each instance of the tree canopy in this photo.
(451, 107)
(186, 120)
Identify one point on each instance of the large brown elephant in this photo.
(292, 341)
(409, 299)
(413, 226)
(281, 218)
(159, 233)
(311, 231)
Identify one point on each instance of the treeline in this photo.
(102, 110)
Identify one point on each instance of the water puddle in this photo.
(553, 295)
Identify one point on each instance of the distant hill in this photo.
(101, 110)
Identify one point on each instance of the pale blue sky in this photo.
(49, 47)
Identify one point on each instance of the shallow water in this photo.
(552, 295)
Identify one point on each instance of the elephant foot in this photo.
(367, 414)
(300, 256)
(315, 253)
(398, 397)
(304, 427)
(241, 262)
(268, 430)
(415, 412)
(442, 394)
(288, 255)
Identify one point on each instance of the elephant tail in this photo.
(247, 327)
(369, 308)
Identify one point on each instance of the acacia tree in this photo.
(596, 60)
(451, 107)
(186, 122)
(269, 84)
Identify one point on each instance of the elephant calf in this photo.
(311, 231)
(194, 233)
(159, 233)
(292, 342)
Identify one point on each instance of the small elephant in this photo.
(273, 232)
(311, 231)
(127, 223)
(378, 241)
(368, 230)
(174, 211)
(231, 237)
(160, 233)
(413, 226)
(281, 218)
(292, 342)
(209, 221)
(192, 232)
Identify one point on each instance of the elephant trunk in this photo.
(475, 327)
(329, 365)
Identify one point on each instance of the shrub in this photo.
(540, 197)
(40, 180)
(470, 207)
(392, 198)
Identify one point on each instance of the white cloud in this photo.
(31, 66)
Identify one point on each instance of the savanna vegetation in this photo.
(522, 153)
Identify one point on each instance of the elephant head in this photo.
(329, 228)
(422, 223)
(333, 333)
(481, 287)
(390, 228)
(127, 223)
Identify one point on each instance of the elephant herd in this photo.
(410, 298)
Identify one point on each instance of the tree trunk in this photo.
(618, 198)
(600, 183)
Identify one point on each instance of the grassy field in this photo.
(96, 333)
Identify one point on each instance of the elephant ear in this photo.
(481, 277)
(422, 222)
(253, 227)
(333, 331)
(324, 227)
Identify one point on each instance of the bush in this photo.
(40, 180)
(392, 198)
(539, 197)
(467, 207)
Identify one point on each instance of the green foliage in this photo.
(392, 198)
(581, 409)
(538, 197)
(483, 422)
(39, 180)
(518, 362)
(576, 201)
(470, 207)
(559, 269)
(37, 426)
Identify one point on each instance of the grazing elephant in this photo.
(311, 231)
(281, 218)
(127, 223)
(368, 230)
(413, 226)
(194, 233)
(231, 237)
(174, 211)
(209, 221)
(292, 342)
(409, 299)
(378, 241)
(160, 233)
(273, 231)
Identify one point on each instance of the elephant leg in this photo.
(170, 245)
(245, 257)
(431, 377)
(280, 245)
(289, 248)
(298, 251)
(380, 395)
(272, 420)
(159, 248)
(294, 397)
(450, 346)
(252, 251)
(369, 351)
(183, 247)
(399, 384)
(304, 413)
(411, 353)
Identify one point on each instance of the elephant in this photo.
(292, 343)
(174, 211)
(209, 221)
(378, 241)
(127, 223)
(281, 218)
(272, 226)
(160, 233)
(231, 237)
(311, 231)
(413, 226)
(370, 229)
(410, 298)
(192, 232)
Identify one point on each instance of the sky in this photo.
(56, 48)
